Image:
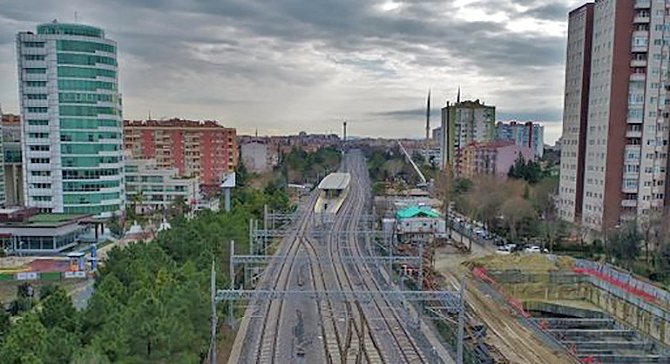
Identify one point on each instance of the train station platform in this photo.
(333, 191)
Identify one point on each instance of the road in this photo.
(302, 329)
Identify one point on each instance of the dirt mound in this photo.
(526, 262)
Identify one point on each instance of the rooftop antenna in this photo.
(256, 132)
(149, 114)
(76, 17)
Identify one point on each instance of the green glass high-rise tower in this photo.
(72, 123)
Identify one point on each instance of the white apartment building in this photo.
(255, 156)
(153, 188)
(463, 123)
(626, 133)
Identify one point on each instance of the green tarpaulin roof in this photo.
(415, 211)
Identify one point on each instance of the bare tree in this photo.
(623, 243)
(514, 211)
(654, 231)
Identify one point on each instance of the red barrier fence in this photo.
(615, 282)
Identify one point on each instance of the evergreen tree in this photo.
(25, 342)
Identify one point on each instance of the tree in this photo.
(179, 205)
(90, 355)
(25, 342)
(115, 226)
(4, 323)
(623, 244)
(47, 290)
(60, 346)
(530, 171)
(24, 299)
(136, 200)
(515, 210)
(241, 174)
(663, 261)
(58, 312)
(551, 231)
(654, 229)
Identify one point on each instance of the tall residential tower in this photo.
(463, 123)
(615, 131)
(72, 124)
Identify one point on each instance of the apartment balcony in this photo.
(633, 133)
(638, 76)
(39, 191)
(40, 179)
(108, 153)
(641, 19)
(629, 190)
(35, 77)
(34, 64)
(639, 49)
(37, 141)
(37, 128)
(116, 177)
(638, 63)
(641, 33)
(642, 4)
(628, 203)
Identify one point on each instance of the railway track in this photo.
(261, 339)
(367, 331)
(389, 329)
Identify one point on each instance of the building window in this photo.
(33, 44)
(37, 109)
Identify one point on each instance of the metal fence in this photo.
(627, 280)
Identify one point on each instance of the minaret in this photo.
(427, 127)
(458, 95)
(428, 117)
(344, 135)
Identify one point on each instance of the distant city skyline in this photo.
(282, 68)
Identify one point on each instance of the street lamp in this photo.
(606, 242)
(21, 242)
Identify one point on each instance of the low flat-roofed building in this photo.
(150, 187)
(25, 231)
(419, 223)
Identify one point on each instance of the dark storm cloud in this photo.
(219, 59)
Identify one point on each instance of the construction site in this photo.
(525, 307)
(400, 282)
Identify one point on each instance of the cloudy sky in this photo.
(281, 66)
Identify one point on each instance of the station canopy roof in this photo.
(335, 181)
(416, 211)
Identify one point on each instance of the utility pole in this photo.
(212, 344)
(461, 323)
(231, 314)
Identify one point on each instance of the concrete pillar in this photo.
(226, 194)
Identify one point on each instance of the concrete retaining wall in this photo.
(644, 316)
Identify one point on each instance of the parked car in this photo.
(535, 249)
(505, 249)
(514, 247)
